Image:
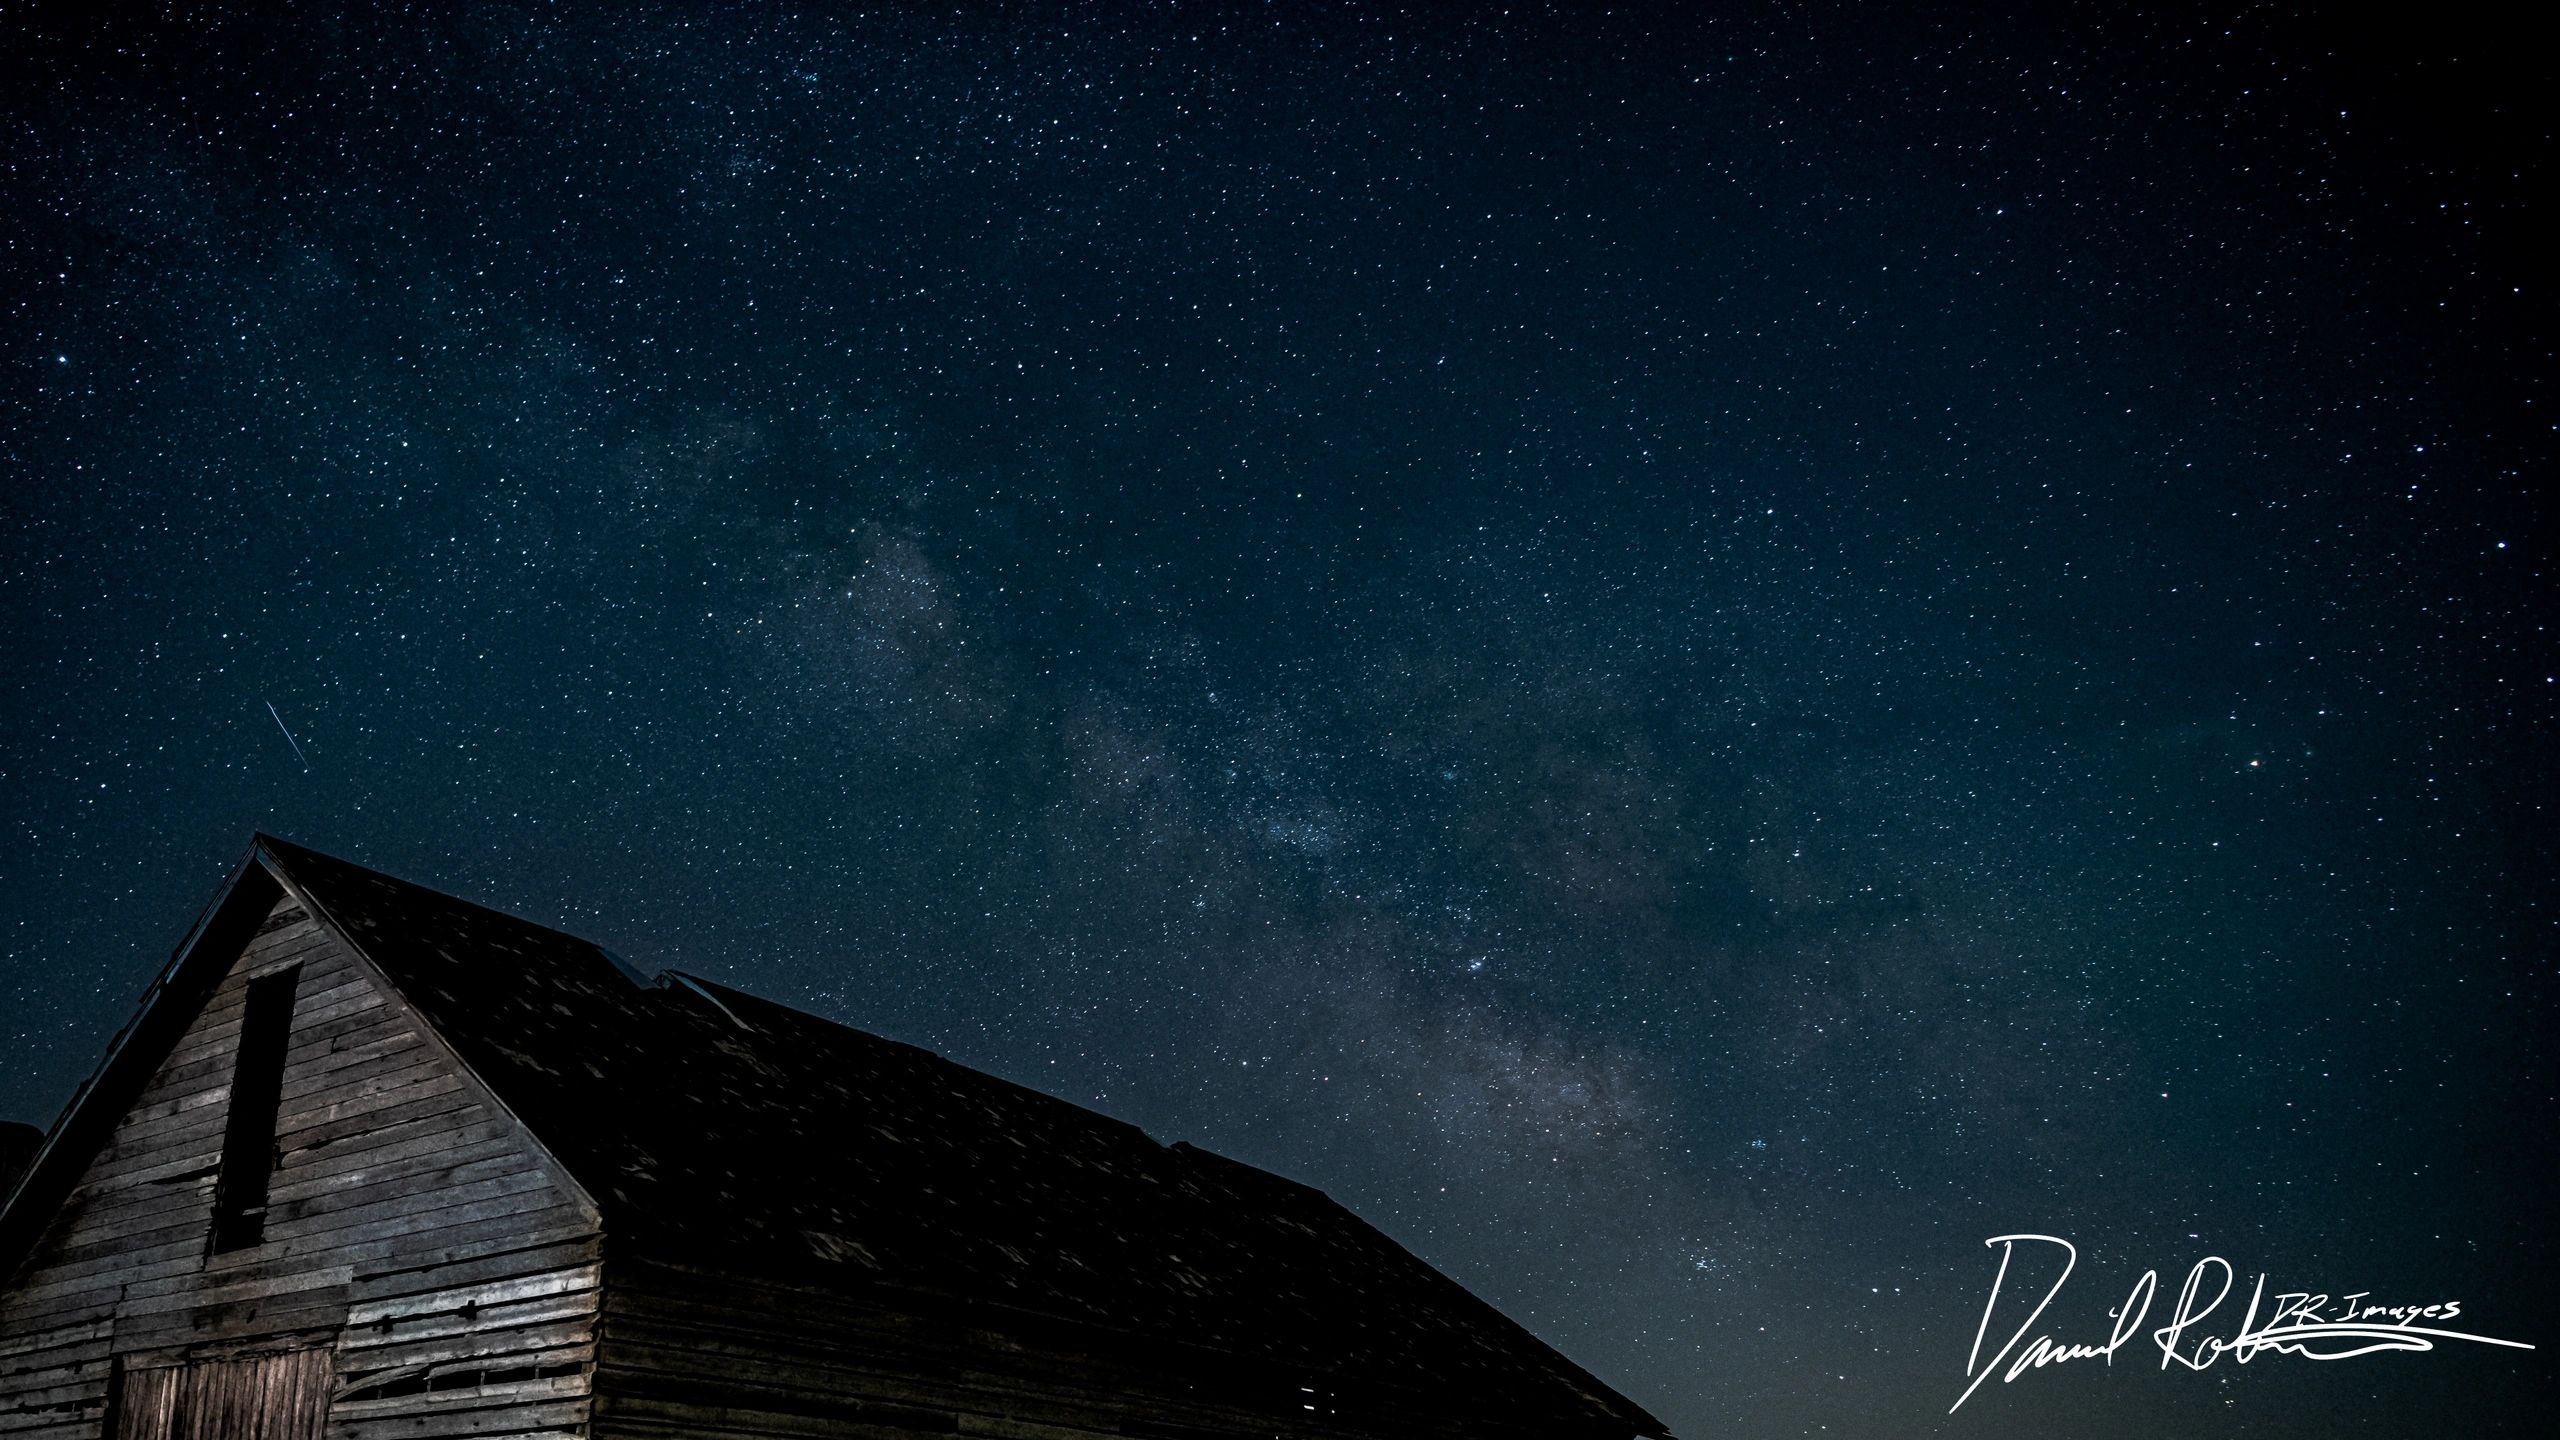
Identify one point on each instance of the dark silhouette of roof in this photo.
(18, 1144)
(712, 1126)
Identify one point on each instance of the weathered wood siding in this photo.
(284, 1396)
(701, 1353)
(411, 1228)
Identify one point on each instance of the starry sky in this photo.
(1696, 656)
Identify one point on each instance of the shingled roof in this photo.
(712, 1126)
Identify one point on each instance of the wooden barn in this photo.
(378, 1164)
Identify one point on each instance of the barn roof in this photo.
(714, 1126)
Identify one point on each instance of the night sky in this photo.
(1694, 657)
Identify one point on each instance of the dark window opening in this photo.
(249, 1134)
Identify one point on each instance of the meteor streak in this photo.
(288, 735)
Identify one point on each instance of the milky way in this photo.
(1695, 661)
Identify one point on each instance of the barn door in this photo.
(258, 1397)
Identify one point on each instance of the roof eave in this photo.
(222, 929)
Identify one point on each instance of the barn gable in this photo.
(386, 1220)
(729, 1138)
(814, 1231)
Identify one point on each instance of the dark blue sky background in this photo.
(1693, 656)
